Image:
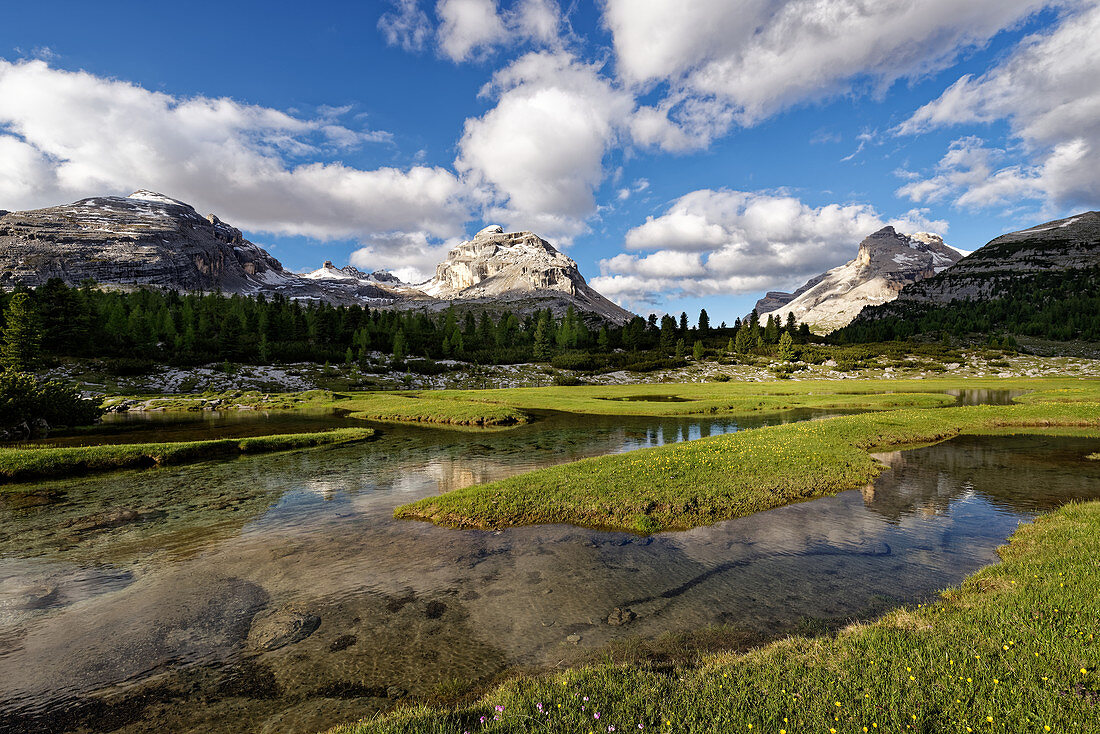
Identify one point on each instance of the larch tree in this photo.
(22, 337)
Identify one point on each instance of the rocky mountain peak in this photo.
(512, 265)
(886, 262)
(154, 197)
(495, 261)
(1062, 245)
(146, 238)
(149, 239)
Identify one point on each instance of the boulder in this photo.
(282, 627)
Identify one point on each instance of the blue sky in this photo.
(686, 154)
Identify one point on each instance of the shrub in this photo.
(425, 367)
(568, 381)
(579, 361)
(651, 365)
(23, 397)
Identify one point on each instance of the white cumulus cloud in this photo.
(723, 242)
(471, 28)
(1047, 90)
(539, 152)
(69, 135)
(741, 62)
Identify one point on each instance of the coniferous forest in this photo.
(1060, 306)
(188, 329)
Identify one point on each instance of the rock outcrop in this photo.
(148, 239)
(516, 267)
(142, 239)
(1060, 246)
(887, 262)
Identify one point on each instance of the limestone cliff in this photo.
(887, 262)
(1060, 246)
(517, 267)
(148, 239)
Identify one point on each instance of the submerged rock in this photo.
(283, 627)
(620, 616)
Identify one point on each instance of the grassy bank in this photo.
(715, 398)
(39, 463)
(429, 407)
(701, 482)
(503, 407)
(225, 400)
(1014, 649)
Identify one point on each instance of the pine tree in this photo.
(704, 322)
(542, 337)
(791, 325)
(603, 340)
(680, 348)
(683, 322)
(399, 346)
(22, 337)
(697, 350)
(746, 338)
(771, 330)
(668, 333)
(787, 351)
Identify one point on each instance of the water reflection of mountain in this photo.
(1023, 474)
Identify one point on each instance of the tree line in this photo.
(1060, 306)
(56, 320)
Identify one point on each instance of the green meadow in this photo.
(701, 482)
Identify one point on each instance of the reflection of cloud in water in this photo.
(327, 542)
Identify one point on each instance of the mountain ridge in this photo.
(149, 239)
(886, 262)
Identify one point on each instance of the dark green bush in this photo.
(652, 365)
(23, 397)
(425, 367)
(582, 361)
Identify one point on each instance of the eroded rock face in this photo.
(514, 265)
(142, 239)
(148, 239)
(1062, 245)
(887, 262)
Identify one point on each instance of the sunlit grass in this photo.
(429, 407)
(701, 482)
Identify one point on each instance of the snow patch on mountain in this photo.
(886, 262)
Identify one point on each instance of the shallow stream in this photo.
(277, 593)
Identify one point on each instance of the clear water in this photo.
(156, 622)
